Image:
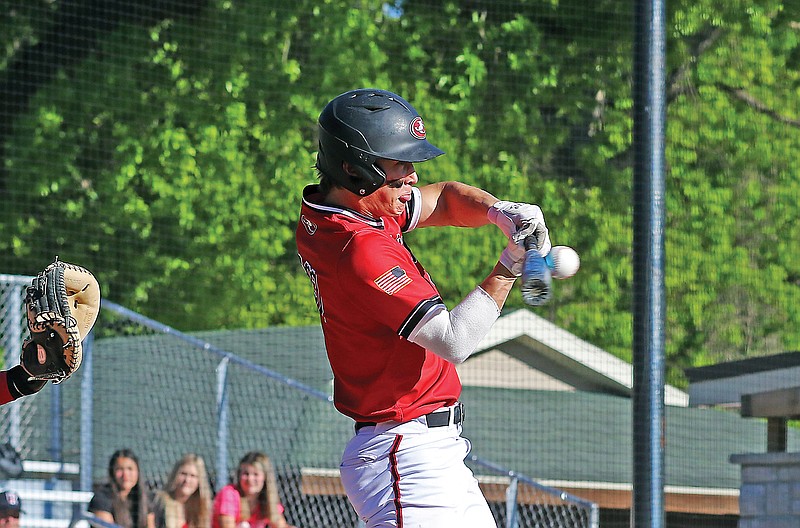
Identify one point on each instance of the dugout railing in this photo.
(162, 392)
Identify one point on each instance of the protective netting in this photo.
(161, 393)
(165, 144)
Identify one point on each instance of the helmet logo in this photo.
(417, 128)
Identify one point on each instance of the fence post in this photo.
(649, 298)
(11, 344)
(56, 447)
(222, 421)
(511, 503)
(56, 422)
(87, 413)
(594, 516)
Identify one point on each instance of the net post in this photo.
(222, 420)
(87, 413)
(511, 503)
(648, 264)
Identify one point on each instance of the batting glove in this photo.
(518, 221)
(513, 258)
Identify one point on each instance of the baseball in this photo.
(566, 262)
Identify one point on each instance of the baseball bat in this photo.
(536, 286)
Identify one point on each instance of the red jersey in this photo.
(371, 294)
(5, 395)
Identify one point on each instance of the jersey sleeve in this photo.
(410, 218)
(101, 501)
(227, 502)
(5, 394)
(385, 283)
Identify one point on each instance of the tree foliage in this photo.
(168, 154)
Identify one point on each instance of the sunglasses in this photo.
(14, 514)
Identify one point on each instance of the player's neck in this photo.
(345, 199)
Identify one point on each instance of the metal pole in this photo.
(511, 503)
(648, 265)
(55, 423)
(594, 516)
(222, 423)
(87, 412)
(12, 348)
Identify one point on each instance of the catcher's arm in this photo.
(14, 383)
(62, 305)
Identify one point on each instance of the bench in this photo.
(48, 500)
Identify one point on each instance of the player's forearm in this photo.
(454, 335)
(14, 383)
(454, 204)
(498, 284)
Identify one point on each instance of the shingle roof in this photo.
(594, 365)
(744, 366)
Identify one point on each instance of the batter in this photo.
(391, 341)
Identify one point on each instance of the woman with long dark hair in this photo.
(123, 500)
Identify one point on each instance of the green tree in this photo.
(169, 155)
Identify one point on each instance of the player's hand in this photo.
(62, 304)
(519, 221)
(513, 257)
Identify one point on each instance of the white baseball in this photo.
(566, 262)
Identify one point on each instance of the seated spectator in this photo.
(185, 501)
(123, 499)
(252, 501)
(10, 509)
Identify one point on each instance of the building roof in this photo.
(554, 435)
(744, 366)
(724, 384)
(561, 355)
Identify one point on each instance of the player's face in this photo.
(9, 519)
(391, 198)
(186, 482)
(126, 474)
(251, 479)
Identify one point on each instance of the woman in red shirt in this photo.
(252, 502)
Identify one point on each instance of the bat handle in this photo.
(536, 277)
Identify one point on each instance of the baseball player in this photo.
(391, 341)
(10, 509)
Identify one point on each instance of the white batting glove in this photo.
(520, 220)
(513, 257)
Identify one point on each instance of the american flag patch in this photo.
(393, 280)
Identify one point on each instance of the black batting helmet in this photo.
(363, 125)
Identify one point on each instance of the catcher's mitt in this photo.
(62, 304)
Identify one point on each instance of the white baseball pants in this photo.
(407, 475)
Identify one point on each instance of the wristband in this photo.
(19, 385)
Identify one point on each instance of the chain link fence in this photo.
(162, 393)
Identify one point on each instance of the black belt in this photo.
(439, 418)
